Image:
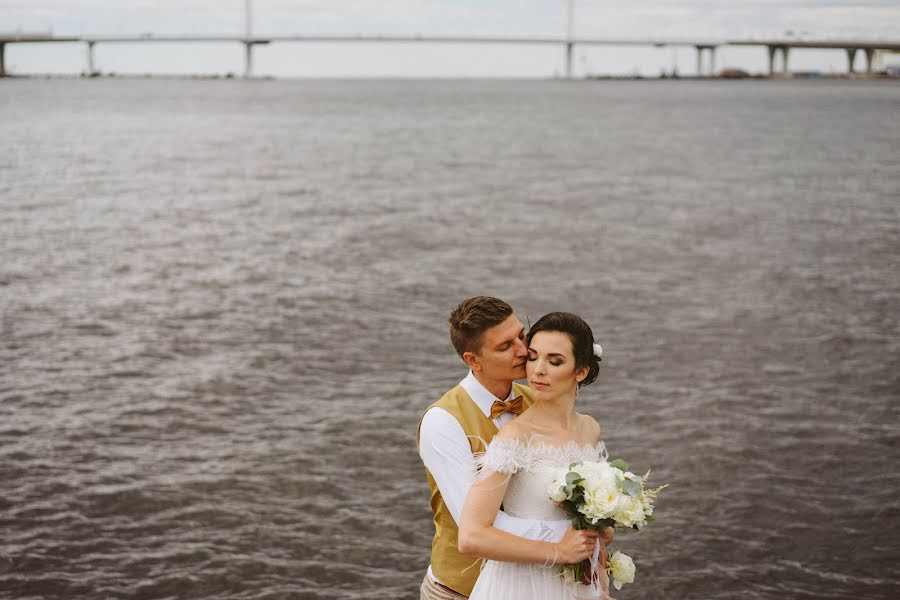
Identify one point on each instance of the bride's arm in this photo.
(479, 537)
(446, 452)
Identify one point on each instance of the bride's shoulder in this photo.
(590, 427)
(518, 433)
(516, 429)
(505, 453)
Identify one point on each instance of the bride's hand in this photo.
(576, 546)
(602, 577)
(607, 535)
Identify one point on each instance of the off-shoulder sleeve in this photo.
(503, 455)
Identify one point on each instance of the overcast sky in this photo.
(716, 19)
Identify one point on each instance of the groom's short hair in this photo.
(472, 318)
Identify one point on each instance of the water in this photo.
(224, 308)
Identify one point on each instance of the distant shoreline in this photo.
(812, 76)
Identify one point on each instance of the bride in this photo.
(521, 461)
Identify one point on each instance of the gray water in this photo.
(224, 308)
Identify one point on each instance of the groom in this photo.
(490, 339)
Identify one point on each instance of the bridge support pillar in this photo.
(870, 54)
(90, 59)
(569, 48)
(712, 60)
(851, 57)
(248, 54)
(773, 52)
(248, 60)
(2, 60)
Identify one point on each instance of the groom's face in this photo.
(503, 351)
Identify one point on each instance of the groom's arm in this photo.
(446, 452)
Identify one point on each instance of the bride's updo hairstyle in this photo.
(582, 340)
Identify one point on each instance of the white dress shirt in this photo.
(446, 452)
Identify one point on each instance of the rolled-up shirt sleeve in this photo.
(446, 452)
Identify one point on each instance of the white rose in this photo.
(630, 512)
(556, 492)
(597, 476)
(621, 567)
(602, 502)
(588, 469)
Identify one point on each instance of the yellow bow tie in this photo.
(514, 406)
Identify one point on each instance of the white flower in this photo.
(596, 475)
(557, 492)
(600, 503)
(621, 567)
(647, 502)
(598, 350)
(605, 492)
(630, 512)
(601, 492)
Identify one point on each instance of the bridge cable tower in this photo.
(570, 30)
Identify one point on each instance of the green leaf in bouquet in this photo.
(649, 518)
(631, 487)
(619, 464)
(573, 478)
(570, 511)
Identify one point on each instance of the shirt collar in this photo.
(480, 394)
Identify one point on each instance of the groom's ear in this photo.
(472, 360)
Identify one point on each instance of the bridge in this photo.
(775, 46)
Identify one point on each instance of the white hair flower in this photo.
(598, 350)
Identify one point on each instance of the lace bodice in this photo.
(532, 466)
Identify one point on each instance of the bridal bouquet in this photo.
(596, 495)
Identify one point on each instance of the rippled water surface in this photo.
(224, 308)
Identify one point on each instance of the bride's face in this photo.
(551, 365)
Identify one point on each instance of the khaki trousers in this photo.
(432, 590)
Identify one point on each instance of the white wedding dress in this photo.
(532, 467)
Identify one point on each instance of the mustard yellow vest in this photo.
(449, 566)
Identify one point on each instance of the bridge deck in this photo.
(860, 44)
